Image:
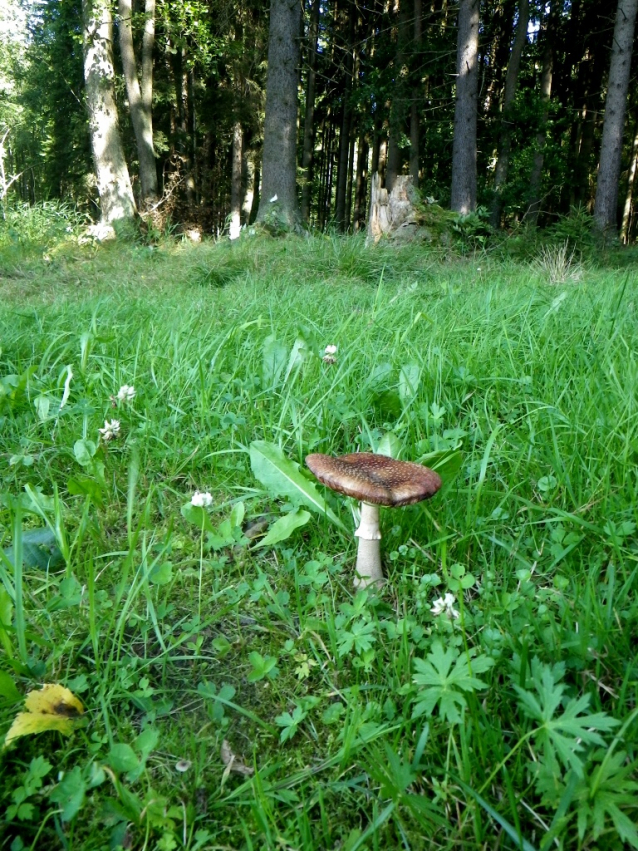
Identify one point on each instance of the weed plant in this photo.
(243, 696)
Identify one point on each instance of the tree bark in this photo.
(140, 98)
(280, 125)
(235, 181)
(626, 216)
(416, 96)
(533, 209)
(605, 207)
(344, 133)
(511, 83)
(309, 125)
(113, 181)
(463, 190)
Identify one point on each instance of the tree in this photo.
(279, 164)
(463, 191)
(511, 83)
(140, 97)
(113, 182)
(605, 208)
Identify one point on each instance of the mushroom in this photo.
(375, 480)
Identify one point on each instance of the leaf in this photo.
(446, 462)
(298, 354)
(161, 574)
(283, 528)
(445, 674)
(53, 707)
(389, 445)
(561, 736)
(42, 405)
(69, 794)
(81, 486)
(409, 378)
(282, 477)
(273, 361)
(84, 450)
(233, 763)
(8, 690)
(39, 550)
(197, 515)
(122, 758)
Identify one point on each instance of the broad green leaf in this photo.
(84, 450)
(82, 486)
(123, 758)
(42, 405)
(446, 462)
(198, 516)
(237, 515)
(282, 477)
(39, 550)
(274, 356)
(409, 378)
(161, 574)
(283, 528)
(69, 794)
(389, 445)
(8, 690)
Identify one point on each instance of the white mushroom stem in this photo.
(368, 568)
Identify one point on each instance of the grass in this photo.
(356, 721)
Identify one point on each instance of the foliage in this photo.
(237, 691)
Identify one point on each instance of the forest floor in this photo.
(237, 692)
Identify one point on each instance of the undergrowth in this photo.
(243, 696)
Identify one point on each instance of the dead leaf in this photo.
(53, 707)
(232, 763)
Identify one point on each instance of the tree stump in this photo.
(392, 215)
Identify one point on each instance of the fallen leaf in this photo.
(232, 763)
(53, 707)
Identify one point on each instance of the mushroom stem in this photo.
(368, 569)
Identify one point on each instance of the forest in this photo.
(318, 425)
(516, 112)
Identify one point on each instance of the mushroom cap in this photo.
(376, 479)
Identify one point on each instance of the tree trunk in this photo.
(280, 126)
(533, 209)
(463, 190)
(344, 133)
(416, 96)
(626, 216)
(511, 83)
(309, 125)
(361, 190)
(235, 181)
(605, 208)
(113, 181)
(140, 98)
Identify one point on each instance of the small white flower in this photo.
(273, 199)
(201, 500)
(445, 605)
(126, 393)
(329, 354)
(110, 430)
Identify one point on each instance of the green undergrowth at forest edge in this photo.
(167, 557)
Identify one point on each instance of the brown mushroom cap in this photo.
(375, 478)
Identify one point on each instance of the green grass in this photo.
(370, 723)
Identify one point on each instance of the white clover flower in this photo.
(201, 500)
(445, 605)
(126, 393)
(110, 430)
(329, 354)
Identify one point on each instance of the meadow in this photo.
(238, 693)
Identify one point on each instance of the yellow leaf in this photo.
(52, 707)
